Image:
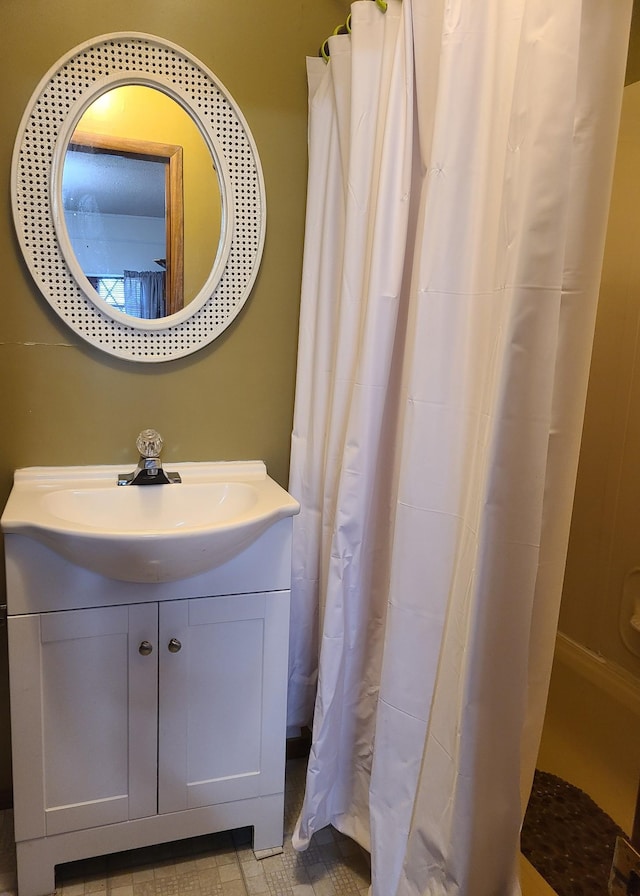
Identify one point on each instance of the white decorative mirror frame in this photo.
(57, 104)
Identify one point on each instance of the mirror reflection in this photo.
(142, 202)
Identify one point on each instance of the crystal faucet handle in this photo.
(149, 443)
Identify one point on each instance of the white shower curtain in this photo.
(460, 161)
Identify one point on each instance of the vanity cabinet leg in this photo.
(268, 827)
(36, 874)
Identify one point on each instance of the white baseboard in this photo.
(602, 673)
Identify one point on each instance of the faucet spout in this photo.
(149, 470)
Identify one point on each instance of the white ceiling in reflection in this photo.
(107, 183)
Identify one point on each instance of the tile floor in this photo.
(215, 865)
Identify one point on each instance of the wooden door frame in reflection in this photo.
(171, 156)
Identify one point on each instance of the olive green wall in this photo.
(65, 402)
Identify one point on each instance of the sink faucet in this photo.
(149, 470)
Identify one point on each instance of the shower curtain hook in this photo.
(341, 29)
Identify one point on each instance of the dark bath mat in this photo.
(568, 839)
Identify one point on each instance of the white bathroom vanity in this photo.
(144, 711)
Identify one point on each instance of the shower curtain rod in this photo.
(346, 29)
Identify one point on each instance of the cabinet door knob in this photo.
(145, 648)
(174, 645)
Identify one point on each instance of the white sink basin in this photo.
(157, 533)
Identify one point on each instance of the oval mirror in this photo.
(141, 202)
(138, 197)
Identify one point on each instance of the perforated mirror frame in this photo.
(64, 93)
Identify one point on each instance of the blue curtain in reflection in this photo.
(144, 294)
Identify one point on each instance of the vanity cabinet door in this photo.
(222, 699)
(84, 699)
